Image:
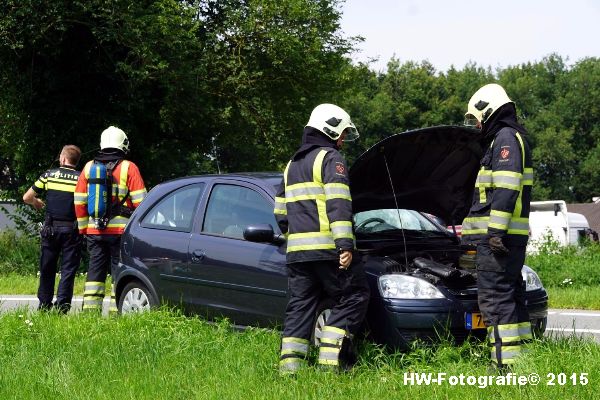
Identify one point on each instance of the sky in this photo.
(454, 32)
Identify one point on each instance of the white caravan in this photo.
(552, 218)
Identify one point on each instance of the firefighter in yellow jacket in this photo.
(103, 239)
(498, 222)
(314, 207)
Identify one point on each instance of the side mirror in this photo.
(262, 233)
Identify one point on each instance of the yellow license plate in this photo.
(474, 321)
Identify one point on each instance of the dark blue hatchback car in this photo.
(210, 244)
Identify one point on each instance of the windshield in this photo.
(391, 220)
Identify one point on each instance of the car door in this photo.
(235, 278)
(162, 241)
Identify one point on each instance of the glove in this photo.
(497, 246)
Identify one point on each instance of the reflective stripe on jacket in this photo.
(314, 207)
(59, 185)
(502, 193)
(126, 179)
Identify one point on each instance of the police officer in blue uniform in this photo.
(59, 234)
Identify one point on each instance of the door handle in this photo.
(198, 255)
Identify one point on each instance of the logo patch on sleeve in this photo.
(504, 153)
(339, 168)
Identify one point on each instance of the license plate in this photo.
(474, 321)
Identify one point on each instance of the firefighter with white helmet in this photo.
(114, 138)
(498, 222)
(122, 178)
(313, 207)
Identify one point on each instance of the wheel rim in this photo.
(319, 324)
(135, 301)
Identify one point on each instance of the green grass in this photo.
(587, 297)
(161, 355)
(14, 283)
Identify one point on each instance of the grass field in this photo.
(13, 283)
(161, 355)
(585, 298)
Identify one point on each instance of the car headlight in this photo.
(532, 280)
(396, 286)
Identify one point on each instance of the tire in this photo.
(136, 298)
(322, 314)
(348, 355)
(538, 327)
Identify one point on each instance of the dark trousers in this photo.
(500, 286)
(501, 292)
(66, 242)
(104, 259)
(104, 256)
(310, 282)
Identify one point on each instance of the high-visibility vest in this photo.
(313, 205)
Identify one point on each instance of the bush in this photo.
(18, 253)
(21, 254)
(571, 266)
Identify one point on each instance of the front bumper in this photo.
(397, 323)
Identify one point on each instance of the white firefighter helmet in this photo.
(115, 138)
(484, 103)
(333, 121)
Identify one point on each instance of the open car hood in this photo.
(432, 170)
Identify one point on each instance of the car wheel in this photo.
(538, 327)
(136, 298)
(323, 312)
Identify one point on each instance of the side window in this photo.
(176, 211)
(232, 208)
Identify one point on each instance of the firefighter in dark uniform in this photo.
(498, 222)
(59, 234)
(313, 207)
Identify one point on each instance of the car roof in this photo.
(271, 179)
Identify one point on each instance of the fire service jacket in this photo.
(314, 207)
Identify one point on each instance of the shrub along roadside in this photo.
(567, 266)
(165, 355)
(20, 254)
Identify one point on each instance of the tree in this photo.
(192, 82)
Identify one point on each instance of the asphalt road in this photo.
(567, 322)
(560, 322)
